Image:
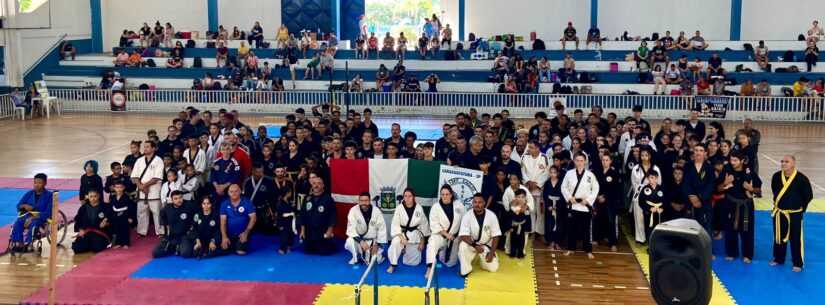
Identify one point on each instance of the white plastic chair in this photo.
(46, 101)
(21, 110)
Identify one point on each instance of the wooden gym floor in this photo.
(60, 146)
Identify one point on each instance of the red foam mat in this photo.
(104, 279)
(71, 184)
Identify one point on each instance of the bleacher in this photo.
(463, 75)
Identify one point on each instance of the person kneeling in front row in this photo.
(91, 224)
(237, 220)
(366, 231)
(176, 220)
(479, 234)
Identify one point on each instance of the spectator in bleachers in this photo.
(435, 45)
(626, 37)
(422, 45)
(236, 34)
(372, 45)
(177, 51)
(168, 35)
(278, 84)
(697, 42)
(682, 64)
(447, 37)
(361, 47)
(659, 55)
(389, 44)
(427, 28)
(399, 73)
(763, 88)
(568, 72)
(332, 44)
(252, 63)
(673, 75)
(544, 69)
(412, 84)
(121, 59)
(67, 50)
(800, 87)
(158, 30)
(292, 61)
(715, 66)
(174, 62)
(819, 87)
(436, 26)
(312, 67)
(811, 55)
(401, 51)
(747, 89)
(221, 55)
(760, 54)
(667, 41)
(327, 62)
(256, 35)
(145, 35)
(815, 33)
(243, 52)
(125, 39)
(222, 36)
(381, 76)
(697, 67)
(432, 82)
(357, 83)
(306, 43)
(282, 36)
(642, 55)
(594, 35)
(569, 35)
(703, 86)
(659, 82)
(682, 42)
(135, 60)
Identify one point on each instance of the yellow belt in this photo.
(786, 214)
(657, 209)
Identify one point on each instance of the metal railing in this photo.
(443, 103)
(359, 287)
(433, 278)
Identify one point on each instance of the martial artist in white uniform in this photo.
(443, 242)
(580, 188)
(534, 167)
(196, 157)
(638, 180)
(409, 230)
(479, 233)
(365, 235)
(148, 174)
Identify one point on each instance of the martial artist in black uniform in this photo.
(177, 221)
(677, 206)
(652, 202)
(317, 218)
(555, 209)
(116, 176)
(90, 180)
(261, 191)
(698, 186)
(607, 203)
(740, 185)
(791, 195)
(123, 215)
(518, 225)
(91, 224)
(285, 215)
(205, 236)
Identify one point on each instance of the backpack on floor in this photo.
(190, 43)
(197, 63)
(151, 63)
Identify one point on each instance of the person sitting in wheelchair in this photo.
(35, 208)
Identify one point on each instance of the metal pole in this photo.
(435, 274)
(375, 286)
(53, 249)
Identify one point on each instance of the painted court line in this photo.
(594, 252)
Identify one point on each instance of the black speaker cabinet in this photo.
(680, 258)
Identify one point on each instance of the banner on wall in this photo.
(118, 101)
(464, 182)
(712, 106)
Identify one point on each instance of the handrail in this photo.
(358, 290)
(432, 276)
(43, 56)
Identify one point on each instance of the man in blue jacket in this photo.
(35, 208)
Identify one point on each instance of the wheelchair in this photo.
(36, 245)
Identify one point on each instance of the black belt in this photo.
(741, 204)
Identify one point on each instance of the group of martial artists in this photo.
(449, 234)
(566, 179)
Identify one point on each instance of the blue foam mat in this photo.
(264, 264)
(10, 197)
(758, 283)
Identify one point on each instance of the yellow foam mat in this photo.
(514, 283)
(765, 204)
(720, 295)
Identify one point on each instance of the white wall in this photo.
(547, 18)
(118, 15)
(643, 17)
(779, 20)
(25, 46)
(244, 13)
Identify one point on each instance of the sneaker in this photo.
(353, 261)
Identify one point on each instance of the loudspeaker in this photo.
(680, 258)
